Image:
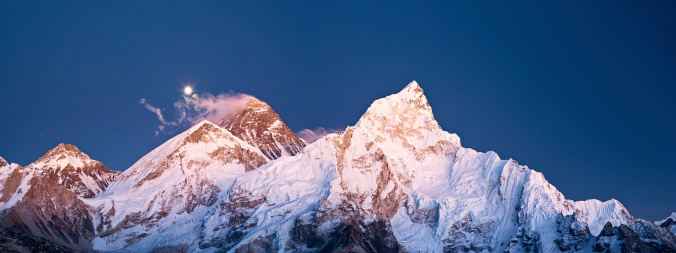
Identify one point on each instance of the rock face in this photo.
(50, 210)
(394, 182)
(259, 125)
(12, 240)
(45, 198)
(68, 166)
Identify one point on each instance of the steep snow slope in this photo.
(396, 180)
(259, 125)
(163, 197)
(13, 184)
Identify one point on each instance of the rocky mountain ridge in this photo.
(259, 125)
(45, 198)
(393, 182)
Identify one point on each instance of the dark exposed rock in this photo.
(608, 230)
(573, 234)
(171, 249)
(524, 241)
(260, 244)
(427, 216)
(669, 222)
(341, 228)
(3, 163)
(12, 240)
(304, 235)
(464, 234)
(260, 126)
(358, 237)
(238, 213)
(638, 236)
(51, 211)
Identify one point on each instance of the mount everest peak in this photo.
(393, 182)
(259, 125)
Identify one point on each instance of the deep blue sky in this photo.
(583, 92)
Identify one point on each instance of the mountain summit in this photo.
(259, 125)
(45, 198)
(75, 170)
(164, 196)
(393, 182)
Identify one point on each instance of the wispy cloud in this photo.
(209, 107)
(153, 109)
(310, 135)
(195, 108)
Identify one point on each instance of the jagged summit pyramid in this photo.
(46, 198)
(75, 170)
(63, 155)
(259, 125)
(409, 108)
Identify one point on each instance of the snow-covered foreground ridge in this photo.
(393, 182)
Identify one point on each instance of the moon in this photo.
(187, 90)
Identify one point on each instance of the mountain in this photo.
(259, 125)
(163, 198)
(397, 182)
(70, 167)
(46, 197)
(393, 182)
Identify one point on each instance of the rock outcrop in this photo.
(46, 198)
(259, 125)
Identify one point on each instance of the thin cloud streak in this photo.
(195, 108)
(311, 136)
(153, 109)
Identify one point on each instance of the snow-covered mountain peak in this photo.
(255, 103)
(175, 183)
(75, 170)
(413, 88)
(3, 163)
(63, 155)
(199, 125)
(259, 125)
(194, 148)
(404, 119)
(408, 107)
(204, 131)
